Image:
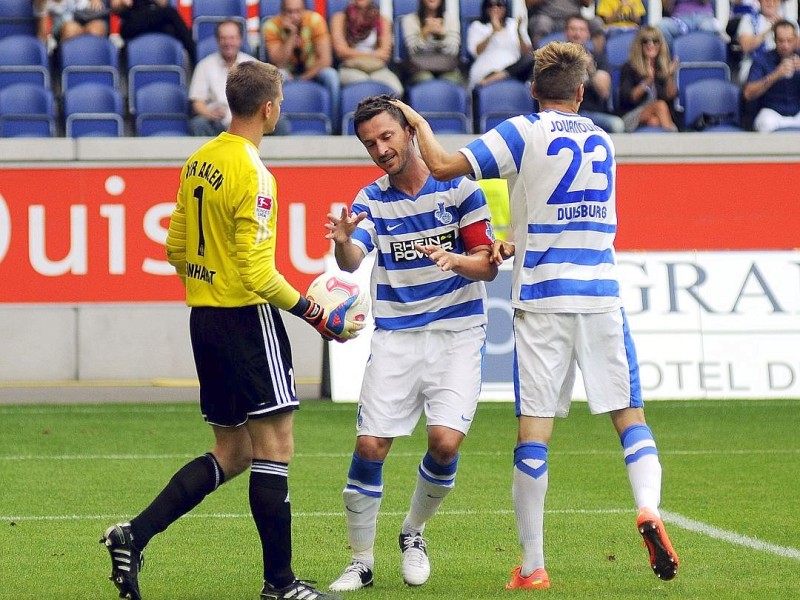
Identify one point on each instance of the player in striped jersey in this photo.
(221, 242)
(561, 172)
(432, 241)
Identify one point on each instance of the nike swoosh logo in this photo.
(465, 419)
(355, 512)
(393, 227)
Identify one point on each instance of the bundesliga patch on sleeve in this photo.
(263, 207)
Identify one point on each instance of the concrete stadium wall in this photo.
(112, 342)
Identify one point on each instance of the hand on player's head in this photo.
(412, 116)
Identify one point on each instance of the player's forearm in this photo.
(443, 165)
(477, 265)
(348, 256)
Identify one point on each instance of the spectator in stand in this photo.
(499, 45)
(152, 16)
(755, 35)
(620, 15)
(433, 43)
(647, 85)
(548, 16)
(597, 88)
(298, 42)
(683, 16)
(774, 81)
(69, 18)
(362, 42)
(207, 89)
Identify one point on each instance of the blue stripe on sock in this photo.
(632, 458)
(438, 474)
(635, 434)
(361, 490)
(531, 451)
(365, 476)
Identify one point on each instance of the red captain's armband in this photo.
(477, 234)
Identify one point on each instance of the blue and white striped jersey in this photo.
(561, 172)
(408, 290)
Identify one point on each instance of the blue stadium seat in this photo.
(403, 7)
(88, 59)
(93, 109)
(154, 57)
(26, 110)
(618, 47)
(207, 13)
(717, 102)
(23, 59)
(307, 106)
(353, 93)
(697, 46)
(444, 105)
(334, 6)
(692, 72)
(556, 36)
(500, 100)
(16, 18)
(703, 55)
(162, 109)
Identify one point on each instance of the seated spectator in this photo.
(683, 16)
(299, 44)
(152, 16)
(620, 15)
(65, 19)
(597, 88)
(499, 45)
(362, 43)
(433, 43)
(774, 81)
(548, 16)
(207, 88)
(647, 85)
(754, 34)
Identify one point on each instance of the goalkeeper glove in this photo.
(332, 322)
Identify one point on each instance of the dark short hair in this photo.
(250, 84)
(372, 106)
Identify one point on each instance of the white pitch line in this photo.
(729, 536)
(670, 517)
(302, 455)
(313, 514)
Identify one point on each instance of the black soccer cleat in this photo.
(297, 590)
(126, 560)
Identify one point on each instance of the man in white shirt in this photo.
(207, 89)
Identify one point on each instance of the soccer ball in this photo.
(331, 290)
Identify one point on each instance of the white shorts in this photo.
(408, 371)
(548, 346)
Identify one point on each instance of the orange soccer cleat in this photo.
(662, 557)
(538, 580)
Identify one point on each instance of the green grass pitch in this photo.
(730, 500)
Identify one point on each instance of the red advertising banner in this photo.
(96, 234)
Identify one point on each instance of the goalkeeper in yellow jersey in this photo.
(221, 242)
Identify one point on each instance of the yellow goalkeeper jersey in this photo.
(222, 233)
